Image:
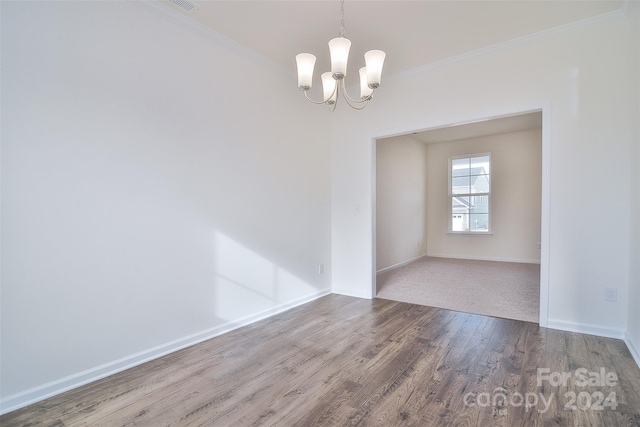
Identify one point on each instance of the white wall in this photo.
(516, 194)
(633, 323)
(401, 200)
(151, 196)
(142, 210)
(584, 80)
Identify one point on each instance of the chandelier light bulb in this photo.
(365, 90)
(339, 50)
(329, 88)
(374, 59)
(305, 62)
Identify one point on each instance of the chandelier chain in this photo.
(341, 18)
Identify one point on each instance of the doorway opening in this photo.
(416, 253)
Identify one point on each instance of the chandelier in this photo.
(333, 81)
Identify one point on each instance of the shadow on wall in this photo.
(247, 283)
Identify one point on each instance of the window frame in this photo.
(450, 230)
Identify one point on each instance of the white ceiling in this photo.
(412, 33)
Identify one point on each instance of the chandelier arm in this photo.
(356, 101)
(352, 102)
(315, 102)
(336, 92)
(357, 107)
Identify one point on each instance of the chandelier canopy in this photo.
(333, 81)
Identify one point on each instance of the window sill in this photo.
(469, 233)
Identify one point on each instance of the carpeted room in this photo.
(436, 244)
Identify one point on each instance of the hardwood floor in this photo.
(342, 361)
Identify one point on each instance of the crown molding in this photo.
(157, 8)
(622, 13)
(164, 11)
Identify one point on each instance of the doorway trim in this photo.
(545, 109)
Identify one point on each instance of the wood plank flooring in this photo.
(342, 361)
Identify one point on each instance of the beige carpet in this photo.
(499, 289)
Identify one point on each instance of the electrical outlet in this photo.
(321, 269)
(610, 294)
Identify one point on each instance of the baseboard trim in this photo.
(352, 293)
(400, 264)
(474, 258)
(36, 394)
(597, 330)
(633, 349)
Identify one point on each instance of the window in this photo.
(470, 191)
